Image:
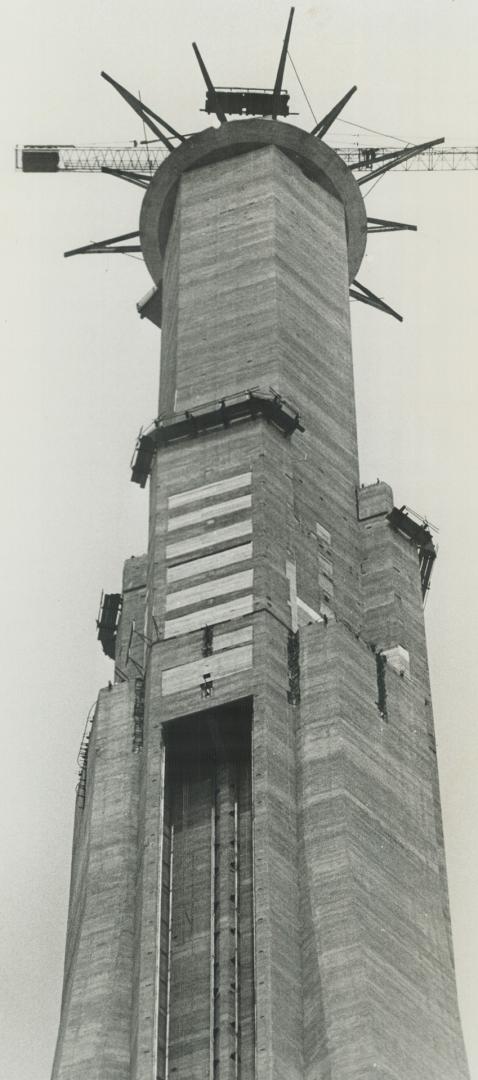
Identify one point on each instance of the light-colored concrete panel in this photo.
(306, 614)
(229, 584)
(291, 574)
(398, 659)
(188, 675)
(325, 566)
(206, 491)
(323, 534)
(209, 539)
(195, 567)
(234, 637)
(208, 616)
(206, 513)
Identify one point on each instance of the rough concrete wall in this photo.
(94, 1035)
(279, 1033)
(316, 367)
(391, 591)
(221, 328)
(170, 319)
(375, 933)
(130, 646)
(147, 925)
(336, 1016)
(256, 289)
(394, 615)
(431, 1018)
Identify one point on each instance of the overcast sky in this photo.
(81, 373)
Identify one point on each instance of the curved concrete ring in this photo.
(317, 160)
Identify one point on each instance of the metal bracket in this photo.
(132, 177)
(396, 158)
(112, 246)
(147, 115)
(381, 225)
(367, 297)
(323, 126)
(210, 85)
(280, 70)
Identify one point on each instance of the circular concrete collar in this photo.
(316, 159)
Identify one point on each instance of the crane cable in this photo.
(350, 123)
(302, 88)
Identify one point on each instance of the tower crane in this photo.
(137, 162)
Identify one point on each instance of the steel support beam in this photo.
(397, 158)
(280, 69)
(105, 247)
(323, 126)
(123, 174)
(381, 225)
(360, 292)
(147, 115)
(210, 85)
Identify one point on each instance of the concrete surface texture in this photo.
(258, 880)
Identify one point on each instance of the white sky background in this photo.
(81, 375)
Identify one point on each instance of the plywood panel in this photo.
(234, 637)
(209, 512)
(209, 539)
(208, 616)
(195, 567)
(206, 491)
(188, 675)
(217, 587)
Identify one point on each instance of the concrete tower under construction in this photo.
(258, 886)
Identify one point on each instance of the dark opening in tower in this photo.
(207, 899)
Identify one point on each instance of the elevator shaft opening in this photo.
(206, 1002)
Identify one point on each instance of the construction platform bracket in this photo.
(107, 621)
(214, 415)
(418, 531)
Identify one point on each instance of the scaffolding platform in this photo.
(107, 622)
(214, 415)
(418, 530)
(246, 101)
